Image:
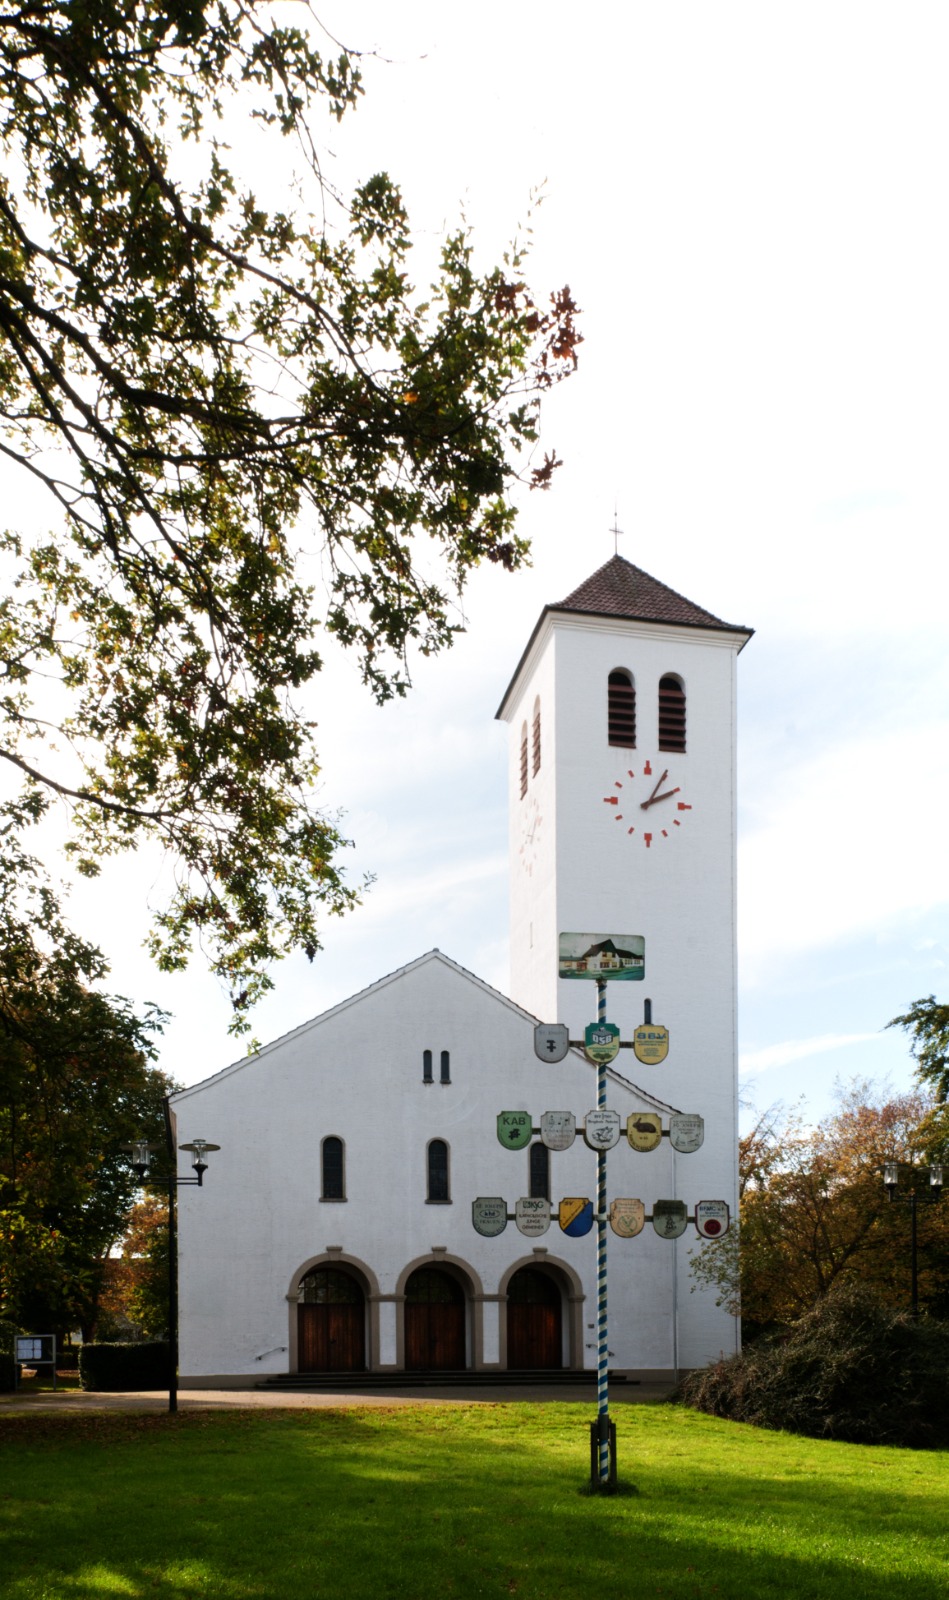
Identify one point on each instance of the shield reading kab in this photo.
(627, 1217)
(558, 1129)
(576, 1215)
(712, 1218)
(686, 1132)
(669, 1218)
(489, 1215)
(514, 1129)
(551, 1041)
(601, 1129)
(644, 1129)
(532, 1216)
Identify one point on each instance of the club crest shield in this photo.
(627, 1217)
(669, 1218)
(686, 1132)
(644, 1129)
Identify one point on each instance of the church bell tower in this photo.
(622, 807)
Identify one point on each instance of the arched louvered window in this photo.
(539, 1172)
(535, 746)
(426, 1066)
(445, 1067)
(332, 1177)
(523, 760)
(437, 1156)
(621, 710)
(671, 714)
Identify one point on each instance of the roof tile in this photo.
(619, 589)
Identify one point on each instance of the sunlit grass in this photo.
(486, 1500)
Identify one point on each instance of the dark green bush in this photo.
(7, 1373)
(852, 1369)
(124, 1366)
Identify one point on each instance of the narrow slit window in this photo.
(539, 1172)
(621, 710)
(426, 1066)
(445, 1067)
(535, 747)
(671, 714)
(524, 760)
(332, 1176)
(438, 1172)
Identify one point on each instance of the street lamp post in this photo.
(141, 1164)
(891, 1178)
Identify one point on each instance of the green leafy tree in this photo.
(75, 1087)
(927, 1023)
(210, 391)
(814, 1212)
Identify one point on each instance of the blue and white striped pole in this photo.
(603, 1354)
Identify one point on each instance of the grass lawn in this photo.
(460, 1501)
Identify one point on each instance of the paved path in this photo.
(314, 1399)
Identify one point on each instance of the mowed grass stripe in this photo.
(480, 1500)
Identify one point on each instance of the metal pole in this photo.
(912, 1213)
(603, 1354)
(172, 1265)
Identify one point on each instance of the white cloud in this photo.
(790, 1050)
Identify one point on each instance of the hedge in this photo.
(851, 1368)
(124, 1366)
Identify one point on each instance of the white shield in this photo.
(558, 1129)
(532, 1216)
(627, 1217)
(712, 1218)
(601, 1129)
(551, 1041)
(686, 1132)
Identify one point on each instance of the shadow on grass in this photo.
(488, 1501)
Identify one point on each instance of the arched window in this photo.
(426, 1066)
(539, 1172)
(438, 1173)
(523, 760)
(445, 1067)
(535, 752)
(671, 714)
(333, 1186)
(621, 710)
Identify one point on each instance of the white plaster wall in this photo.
(357, 1073)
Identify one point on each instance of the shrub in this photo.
(7, 1373)
(124, 1366)
(851, 1368)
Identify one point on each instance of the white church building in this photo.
(339, 1234)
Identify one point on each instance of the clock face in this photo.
(648, 802)
(530, 835)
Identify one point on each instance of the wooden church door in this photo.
(434, 1322)
(331, 1323)
(534, 1325)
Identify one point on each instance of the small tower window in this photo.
(621, 709)
(539, 1172)
(445, 1067)
(535, 750)
(426, 1066)
(523, 760)
(438, 1172)
(671, 714)
(331, 1176)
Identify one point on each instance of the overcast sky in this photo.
(749, 204)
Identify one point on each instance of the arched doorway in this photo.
(434, 1322)
(534, 1321)
(331, 1322)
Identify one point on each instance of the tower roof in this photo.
(618, 589)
